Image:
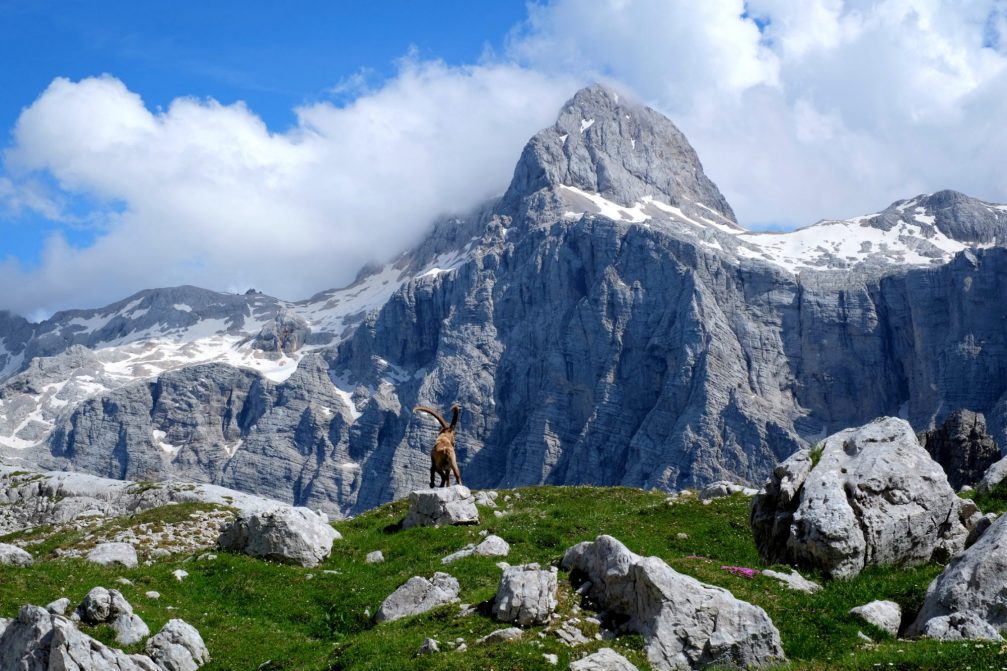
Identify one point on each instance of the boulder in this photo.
(685, 624)
(502, 636)
(129, 629)
(491, 546)
(107, 554)
(59, 606)
(418, 595)
(979, 527)
(284, 533)
(966, 626)
(441, 506)
(970, 589)
(178, 647)
(525, 595)
(103, 605)
(962, 446)
(885, 615)
(41, 641)
(605, 659)
(993, 476)
(864, 496)
(12, 555)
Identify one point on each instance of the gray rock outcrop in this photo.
(685, 624)
(440, 507)
(284, 534)
(102, 606)
(885, 615)
(12, 555)
(526, 595)
(969, 590)
(178, 647)
(418, 595)
(873, 497)
(963, 447)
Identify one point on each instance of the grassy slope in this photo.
(260, 615)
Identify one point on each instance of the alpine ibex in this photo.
(442, 457)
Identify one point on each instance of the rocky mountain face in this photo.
(606, 321)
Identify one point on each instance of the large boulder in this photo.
(178, 647)
(441, 506)
(962, 446)
(605, 659)
(685, 624)
(525, 595)
(285, 534)
(38, 640)
(110, 606)
(864, 496)
(885, 615)
(972, 589)
(418, 595)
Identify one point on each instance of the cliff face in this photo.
(606, 321)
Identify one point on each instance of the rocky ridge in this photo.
(605, 321)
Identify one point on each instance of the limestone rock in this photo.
(605, 659)
(993, 476)
(526, 595)
(722, 488)
(107, 554)
(129, 629)
(284, 534)
(59, 606)
(41, 641)
(684, 623)
(429, 646)
(178, 647)
(874, 497)
(12, 555)
(979, 527)
(487, 498)
(963, 626)
(441, 506)
(794, 580)
(375, 557)
(491, 546)
(502, 635)
(418, 595)
(103, 605)
(885, 615)
(968, 590)
(962, 446)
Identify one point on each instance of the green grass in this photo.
(262, 615)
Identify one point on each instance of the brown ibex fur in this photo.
(442, 457)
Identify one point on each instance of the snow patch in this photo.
(585, 124)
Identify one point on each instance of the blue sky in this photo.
(282, 145)
(273, 56)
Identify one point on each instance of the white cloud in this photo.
(834, 108)
(204, 194)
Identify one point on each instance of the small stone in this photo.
(418, 595)
(462, 648)
(180, 574)
(152, 594)
(551, 658)
(428, 647)
(682, 536)
(885, 615)
(178, 647)
(375, 557)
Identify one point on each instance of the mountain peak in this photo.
(607, 144)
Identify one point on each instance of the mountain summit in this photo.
(625, 152)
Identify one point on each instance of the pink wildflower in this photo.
(741, 571)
